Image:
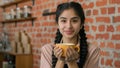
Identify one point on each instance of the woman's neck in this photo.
(73, 40)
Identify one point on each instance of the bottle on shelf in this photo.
(5, 61)
(5, 64)
(19, 13)
(11, 61)
(13, 14)
(7, 16)
(27, 11)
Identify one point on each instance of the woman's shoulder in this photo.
(93, 56)
(93, 48)
(48, 46)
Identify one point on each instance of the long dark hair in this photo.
(83, 40)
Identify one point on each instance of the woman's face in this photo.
(69, 23)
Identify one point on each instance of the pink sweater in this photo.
(91, 62)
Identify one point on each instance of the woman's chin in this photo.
(69, 36)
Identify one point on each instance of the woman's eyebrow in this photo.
(62, 18)
(75, 18)
(71, 18)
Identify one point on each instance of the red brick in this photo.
(110, 45)
(94, 43)
(54, 29)
(89, 36)
(109, 62)
(103, 19)
(35, 29)
(117, 46)
(44, 40)
(111, 10)
(52, 36)
(38, 30)
(19, 25)
(89, 20)
(25, 25)
(49, 40)
(95, 12)
(116, 19)
(116, 55)
(38, 35)
(86, 6)
(117, 63)
(104, 53)
(29, 30)
(94, 28)
(51, 23)
(118, 28)
(30, 24)
(45, 35)
(33, 35)
(45, 24)
(110, 28)
(118, 9)
(38, 2)
(88, 12)
(101, 28)
(115, 37)
(52, 17)
(114, 1)
(102, 36)
(87, 28)
(102, 44)
(101, 3)
(102, 61)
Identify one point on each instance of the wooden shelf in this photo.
(15, 54)
(11, 3)
(18, 20)
(21, 60)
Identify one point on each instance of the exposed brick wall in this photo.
(102, 27)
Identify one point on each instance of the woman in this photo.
(70, 19)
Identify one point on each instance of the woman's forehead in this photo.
(69, 13)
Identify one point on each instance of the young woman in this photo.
(70, 19)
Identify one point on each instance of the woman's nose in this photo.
(69, 24)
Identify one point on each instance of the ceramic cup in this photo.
(64, 46)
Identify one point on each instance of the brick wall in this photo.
(102, 27)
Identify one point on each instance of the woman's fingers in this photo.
(71, 55)
(57, 52)
(69, 52)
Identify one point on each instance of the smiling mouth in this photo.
(68, 32)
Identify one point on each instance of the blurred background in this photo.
(36, 20)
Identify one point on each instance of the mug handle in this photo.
(77, 48)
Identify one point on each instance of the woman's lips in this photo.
(68, 32)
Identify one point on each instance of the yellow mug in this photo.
(64, 46)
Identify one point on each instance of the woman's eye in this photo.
(74, 21)
(63, 21)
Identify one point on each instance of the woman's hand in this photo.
(71, 55)
(58, 53)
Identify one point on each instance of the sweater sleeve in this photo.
(46, 61)
(93, 57)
